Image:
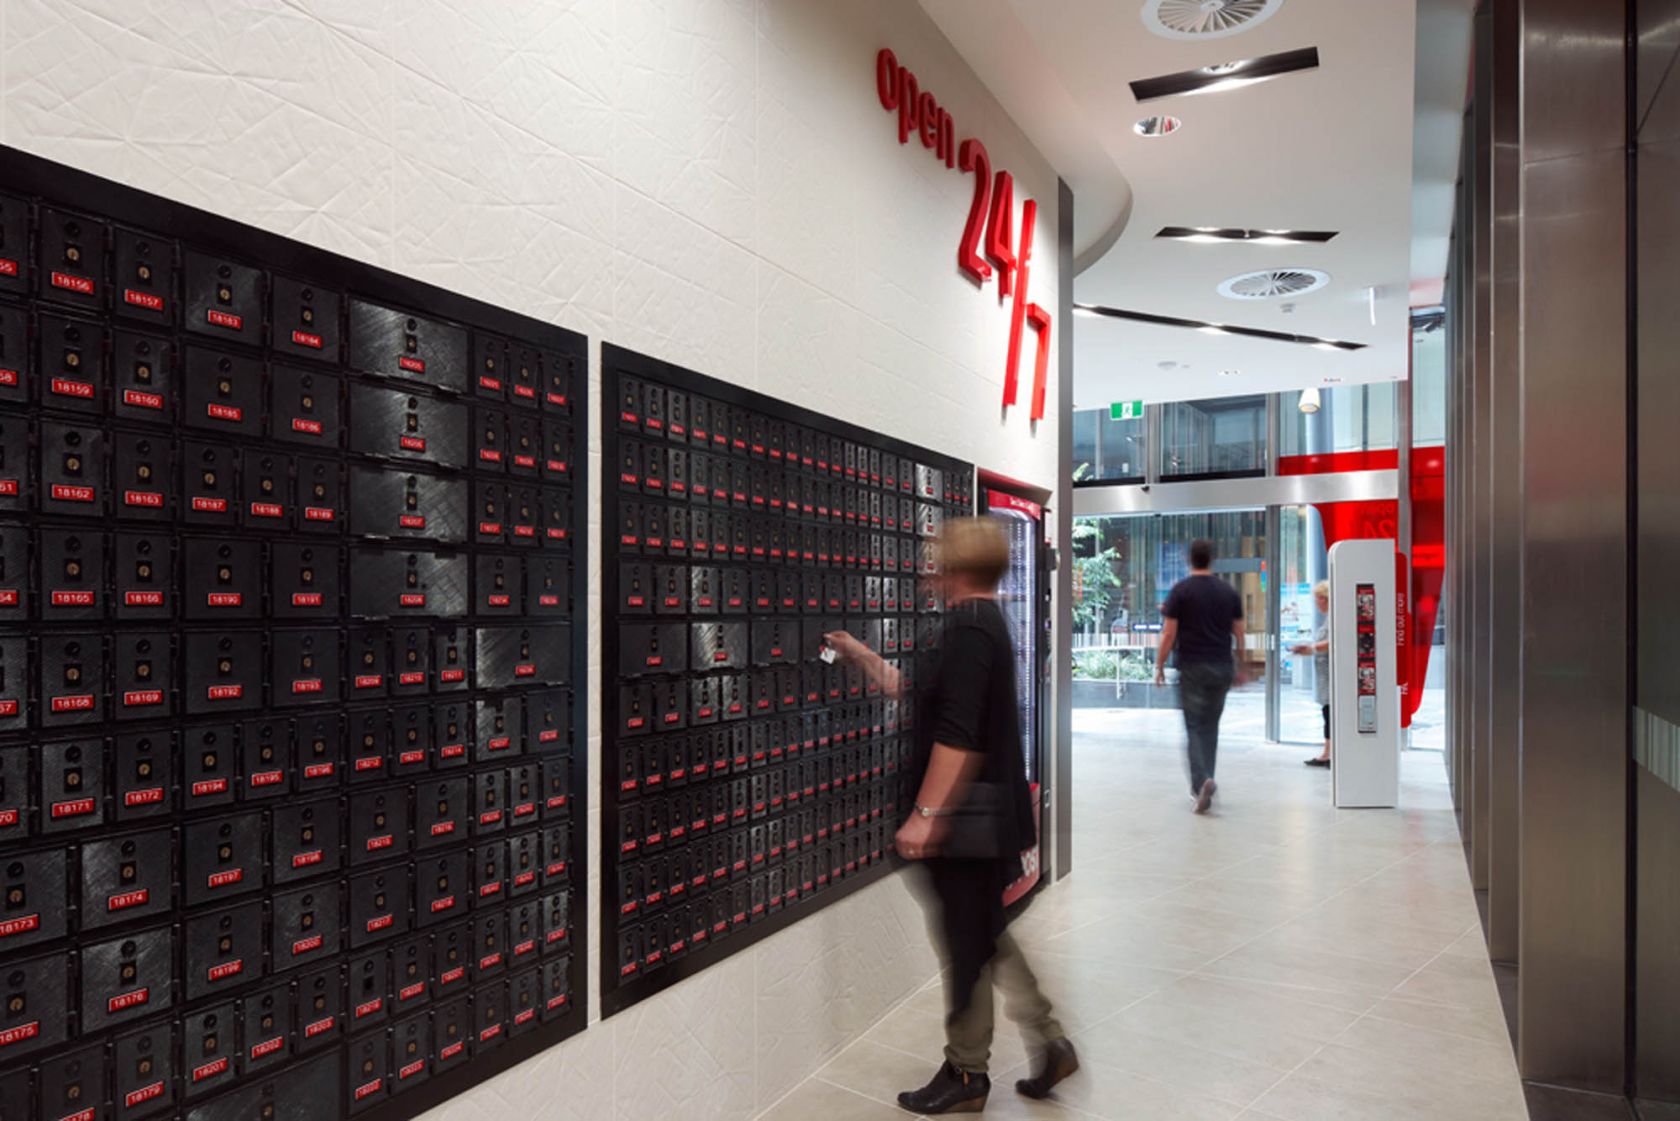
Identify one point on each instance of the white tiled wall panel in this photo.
(711, 181)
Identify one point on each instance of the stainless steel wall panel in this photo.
(1504, 553)
(1571, 983)
(1479, 448)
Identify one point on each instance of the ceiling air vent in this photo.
(1269, 284)
(1206, 19)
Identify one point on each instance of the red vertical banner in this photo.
(1402, 635)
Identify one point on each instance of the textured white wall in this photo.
(711, 181)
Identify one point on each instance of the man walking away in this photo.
(1202, 616)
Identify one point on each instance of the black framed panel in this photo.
(291, 671)
(748, 781)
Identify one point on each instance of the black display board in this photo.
(747, 782)
(291, 767)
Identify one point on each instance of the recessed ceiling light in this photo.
(1212, 329)
(1083, 311)
(1157, 126)
(1229, 373)
(1215, 328)
(1220, 235)
(1225, 75)
(1167, 364)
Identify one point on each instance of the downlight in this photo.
(1206, 19)
(1158, 126)
(1225, 75)
(1271, 284)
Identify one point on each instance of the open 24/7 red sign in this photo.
(985, 248)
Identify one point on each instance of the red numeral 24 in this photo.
(993, 208)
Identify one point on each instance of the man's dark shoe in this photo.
(1205, 798)
(951, 1091)
(1059, 1061)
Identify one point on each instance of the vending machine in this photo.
(1025, 597)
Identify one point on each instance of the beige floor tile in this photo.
(1176, 1063)
(1106, 1092)
(877, 1071)
(1485, 1023)
(1431, 1053)
(815, 1098)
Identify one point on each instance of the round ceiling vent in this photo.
(1206, 19)
(1269, 284)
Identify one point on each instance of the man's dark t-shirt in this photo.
(969, 702)
(1205, 607)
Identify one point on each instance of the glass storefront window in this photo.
(1351, 418)
(1124, 567)
(1429, 378)
(1106, 450)
(1223, 437)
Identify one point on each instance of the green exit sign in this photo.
(1126, 410)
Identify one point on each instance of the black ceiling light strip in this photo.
(1225, 75)
(1234, 233)
(1222, 328)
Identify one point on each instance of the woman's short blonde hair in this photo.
(973, 548)
(1322, 589)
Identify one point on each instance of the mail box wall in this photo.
(748, 782)
(290, 727)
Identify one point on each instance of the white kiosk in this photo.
(1364, 689)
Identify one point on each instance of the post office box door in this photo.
(489, 873)
(387, 583)
(143, 377)
(411, 1051)
(452, 731)
(548, 586)
(73, 376)
(305, 320)
(490, 450)
(72, 1087)
(524, 793)
(411, 660)
(524, 861)
(490, 1016)
(525, 1001)
(71, 785)
(555, 517)
(379, 908)
(368, 659)
(408, 426)
(555, 377)
(407, 504)
(378, 825)
(143, 680)
(452, 1033)
(34, 1005)
(223, 673)
(224, 577)
(304, 406)
(143, 1072)
(208, 759)
(704, 589)
(320, 1007)
(525, 515)
(223, 949)
(266, 1019)
(72, 266)
(369, 974)
(452, 949)
(442, 887)
(556, 786)
(370, 1071)
(222, 392)
(500, 726)
(320, 495)
(489, 802)
(702, 701)
(305, 580)
(534, 655)
(307, 925)
(223, 298)
(490, 367)
(489, 511)
(524, 452)
(73, 468)
(209, 484)
(646, 649)
(143, 576)
(498, 584)
(126, 978)
(368, 732)
(449, 657)
(635, 709)
(34, 887)
(265, 751)
(557, 451)
(14, 255)
(305, 840)
(211, 1054)
(320, 746)
(636, 588)
(395, 344)
(221, 858)
(266, 485)
(73, 574)
(442, 812)
(411, 728)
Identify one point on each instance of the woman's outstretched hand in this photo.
(845, 645)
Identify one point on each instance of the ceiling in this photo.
(1330, 148)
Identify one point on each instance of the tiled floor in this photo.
(1276, 960)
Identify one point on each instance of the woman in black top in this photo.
(971, 820)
